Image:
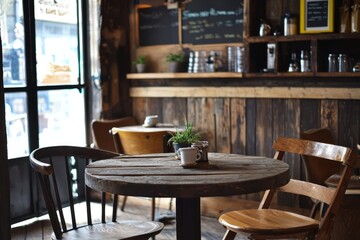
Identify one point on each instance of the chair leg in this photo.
(152, 209)
(123, 203)
(229, 235)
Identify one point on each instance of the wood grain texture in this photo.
(161, 176)
(349, 123)
(139, 109)
(264, 124)
(174, 110)
(168, 75)
(201, 114)
(247, 92)
(230, 173)
(251, 126)
(346, 226)
(289, 117)
(238, 125)
(265, 223)
(222, 121)
(329, 115)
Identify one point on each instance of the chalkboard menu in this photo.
(317, 14)
(157, 26)
(212, 21)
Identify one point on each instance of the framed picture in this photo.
(316, 16)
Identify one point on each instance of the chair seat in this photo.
(267, 222)
(114, 230)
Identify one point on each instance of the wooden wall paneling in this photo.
(329, 116)
(222, 120)
(251, 137)
(264, 118)
(174, 110)
(278, 121)
(114, 58)
(349, 123)
(238, 125)
(201, 115)
(292, 129)
(277, 9)
(309, 119)
(309, 114)
(250, 126)
(140, 109)
(154, 106)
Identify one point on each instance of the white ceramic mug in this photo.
(151, 121)
(189, 155)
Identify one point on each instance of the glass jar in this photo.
(305, 61)
(343, 63)
(332, 63)
(290, 25)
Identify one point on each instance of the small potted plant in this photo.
(184, 137)
(175, 61)
(140, 63)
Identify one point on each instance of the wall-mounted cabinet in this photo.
(319, 46)
(255, 12)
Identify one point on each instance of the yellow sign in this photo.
(316, 16)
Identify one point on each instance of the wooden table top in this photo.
(160, 175)
(157, 128)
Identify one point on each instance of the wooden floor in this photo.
(136, 208)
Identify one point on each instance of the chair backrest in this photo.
(55, 167)
(317, 170)
(100, 130)
(136, 142)
(331, 196)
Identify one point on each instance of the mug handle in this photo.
(198, 155)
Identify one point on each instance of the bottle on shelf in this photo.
(293, 66)
(290, 24)
(305, 61)
(343, 63)
(332, 63)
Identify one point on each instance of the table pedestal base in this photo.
(188, 225)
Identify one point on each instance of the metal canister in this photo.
(290, 24)
(332, 63)
(343, 63)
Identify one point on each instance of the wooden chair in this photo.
(317, 170)
(136, 142)
(265, 223)
(100, 131)
(54, 167)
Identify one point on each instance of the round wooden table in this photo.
(158, 128)
(160, 175)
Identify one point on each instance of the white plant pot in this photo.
(140, 68)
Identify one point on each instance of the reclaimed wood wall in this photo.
(231, 125)
(249, 126)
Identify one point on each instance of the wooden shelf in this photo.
(304, 37)
(303, 74)
(133, 76)
(246, 92)
(279, 74)
(154, 76)
(338, 74)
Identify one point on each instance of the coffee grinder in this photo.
(271, 57)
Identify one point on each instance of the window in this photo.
(55, 85)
